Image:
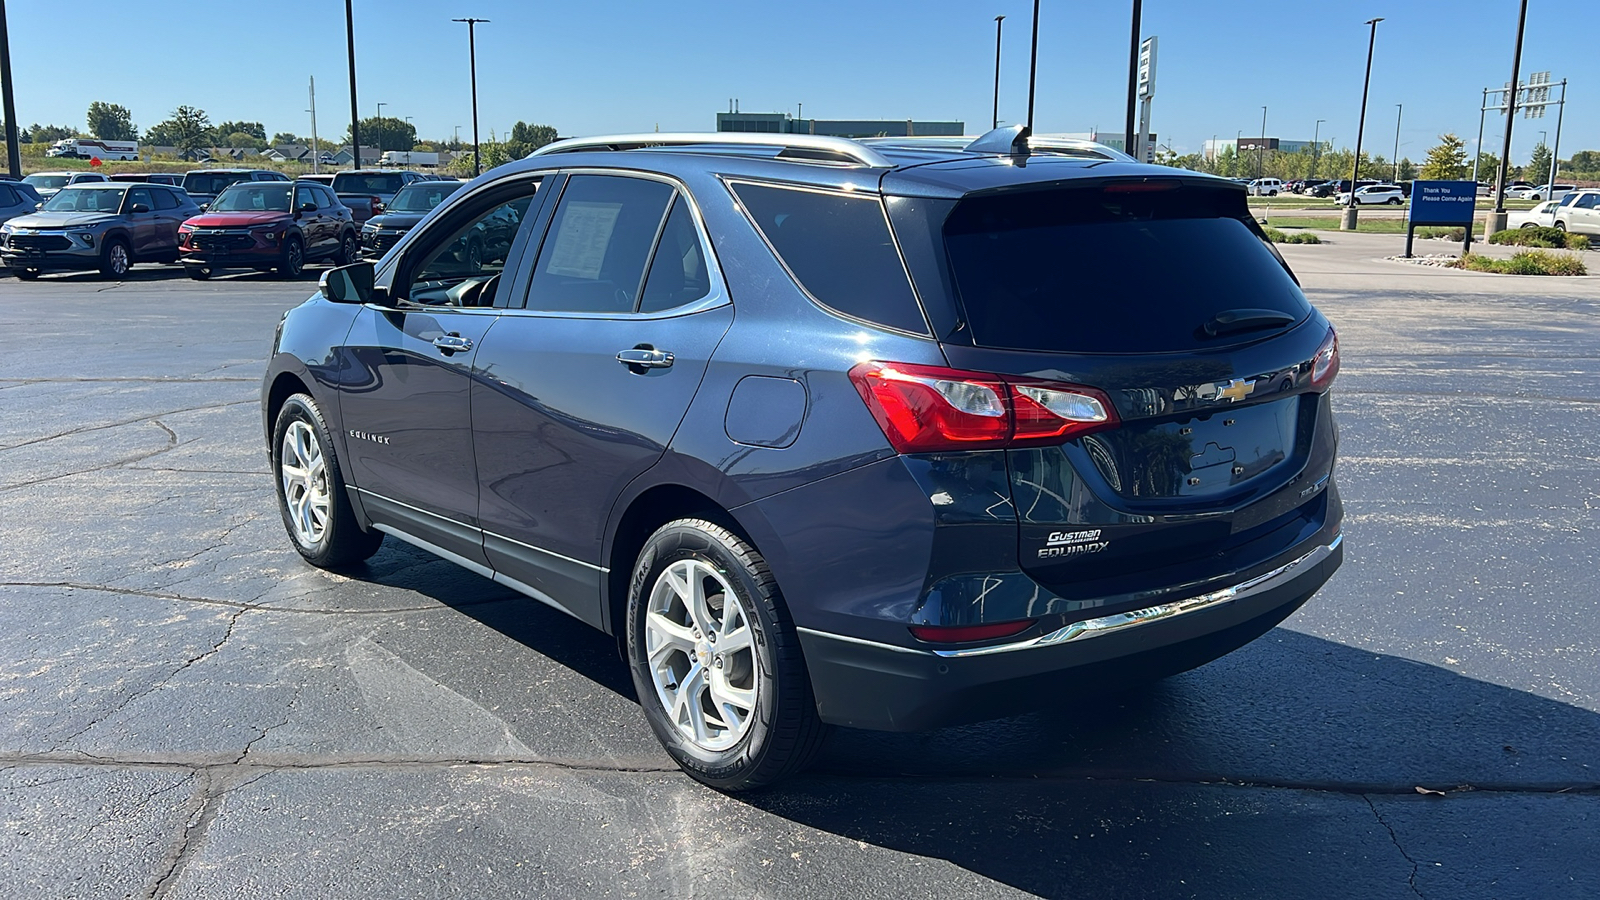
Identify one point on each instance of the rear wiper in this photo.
(1233, 321)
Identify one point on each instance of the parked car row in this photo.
(206, 220)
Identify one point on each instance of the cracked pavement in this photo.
(191, 712)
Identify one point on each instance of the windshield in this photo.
(421, 197)
(366, 183)
(257, 197)
(47, 181)
(1048, 270)
(211, 182)
(104, 200)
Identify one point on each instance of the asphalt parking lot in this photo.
(190, 711)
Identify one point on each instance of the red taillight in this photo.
(1325, 364)
(961, 634)
(930, 408)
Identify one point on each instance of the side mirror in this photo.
(348, 284)
(308, 207)
(138, 208)
(39, 205)
(205, 206)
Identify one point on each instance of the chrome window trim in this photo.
(1092, 628)
(719, 295)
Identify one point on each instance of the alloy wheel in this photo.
(117, 257)
(702, 656)
(305, 483)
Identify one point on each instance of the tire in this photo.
(115, 259)
(349, 250)
(764, 675)
(311, 489)
(293, 262)
(1272, 193)
(26, 274)
(474, 258)
(1561, 226)
(198, 273)
(1528, 226)
(1396, 201)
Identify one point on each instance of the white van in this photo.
(1266, 187)
(89, 148)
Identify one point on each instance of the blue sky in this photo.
(603, 66)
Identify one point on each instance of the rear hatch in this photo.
(1160, 296)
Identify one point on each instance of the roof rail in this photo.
(809, 146)
(1011, 140)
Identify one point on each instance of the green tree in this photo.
(188, 129)
(243, 139)
(527, 138)
(287, 137)
(48, 134)
(111, 122)
(1408, 169)
(1447, 161)
(387, 133)
(1539, 166)
(1584, 161)
(254, 129)
(1488, 167)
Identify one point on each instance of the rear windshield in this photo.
(47, 181)
(367, 183)
(253, 197)
(1095, 271)
(423, 197)
(211, 182)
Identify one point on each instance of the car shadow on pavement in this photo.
(1270, 772)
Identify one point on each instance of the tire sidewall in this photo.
(301, 408)
(672, 543)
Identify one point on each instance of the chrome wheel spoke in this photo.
(700, 650)
(664, 636)
(734, 703)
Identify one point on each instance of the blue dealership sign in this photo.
(1443, 202)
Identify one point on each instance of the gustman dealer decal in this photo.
(1072, 543)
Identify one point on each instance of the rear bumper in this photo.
(865, 684)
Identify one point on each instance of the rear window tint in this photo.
(211, 182)
(362, 183)
(1090, 271)
(839, 248)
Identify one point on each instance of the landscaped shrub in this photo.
(1449, 234)
(1279, 237)
(1540, 236)
(1526, 262)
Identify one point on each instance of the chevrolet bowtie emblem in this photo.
(1237, 389)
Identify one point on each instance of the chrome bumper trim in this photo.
(1092, 628)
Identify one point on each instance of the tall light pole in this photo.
(1399, 110)
(315, 151)
(13, 152)
(1496, 220)
(472, 62)
(1261, 149)
(1033, 64)
(1477, 150)
(997, 26)
(1133, 78)
(1347, 221)
(355, 117)
(1316, 147)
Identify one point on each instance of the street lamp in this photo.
(1133, 76)
(13, 152)
(355, 117)
(1496, 220)
(1033, 64)
(1398, 111)
(1261, 149)
(1316, 147)
(472, 61)
(1347, 221)
(997, 26)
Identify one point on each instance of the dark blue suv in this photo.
(889, 435)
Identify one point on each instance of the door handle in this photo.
(452, 343)
(645, 358)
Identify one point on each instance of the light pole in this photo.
(315, 152)
(355, 117)
(1133, 77)
(472, 62)
(1399, 110)
(1496, 220)
(1261, 149)
(1347, 221)
(1477, 150)
(13, 152)
(997, 27)
(1316, 147)
(1033, 64)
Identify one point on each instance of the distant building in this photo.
(1243, 144)
(783, 123)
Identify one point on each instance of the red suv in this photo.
(267, 225)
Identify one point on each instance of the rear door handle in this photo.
(452, 343)
(638, 358)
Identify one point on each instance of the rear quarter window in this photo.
(1086, 270)
(839, 249)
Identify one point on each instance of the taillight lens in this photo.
(1325, 365)
(930, 408)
